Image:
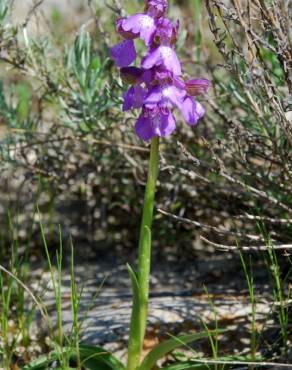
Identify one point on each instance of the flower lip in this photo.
(157, 122)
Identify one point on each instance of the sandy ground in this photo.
(178, 302)
(23, 6)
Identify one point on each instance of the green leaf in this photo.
(189, 365)
(198, 364)
(163, 348)
(135, 329)
(91, 357)
(41, 363)
(135, 284)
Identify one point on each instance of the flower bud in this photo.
(156, 8)
(198, 86)
(131, 75)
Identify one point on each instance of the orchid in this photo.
(157, 86)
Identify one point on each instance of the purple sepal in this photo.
(134, 98)
(123, 53)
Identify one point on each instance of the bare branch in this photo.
(221, 230)
(247, 248)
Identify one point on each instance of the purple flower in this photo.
(123, 53)
(170, 96)
(166, 32)
(164, 77)
(157, 86)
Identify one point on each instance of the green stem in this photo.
(144, 260)
(145, 241)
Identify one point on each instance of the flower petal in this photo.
(168, 96)
(134, 98)
(139, 24)
(123, 53)
(128, 35)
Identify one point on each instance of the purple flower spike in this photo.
(157, 86)
(163, 56)
(155, 123)
(197, 87)
(123, 53)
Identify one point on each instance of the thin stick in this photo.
(251, 363)
(218, 230)
(247, 248)
(267, 219)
